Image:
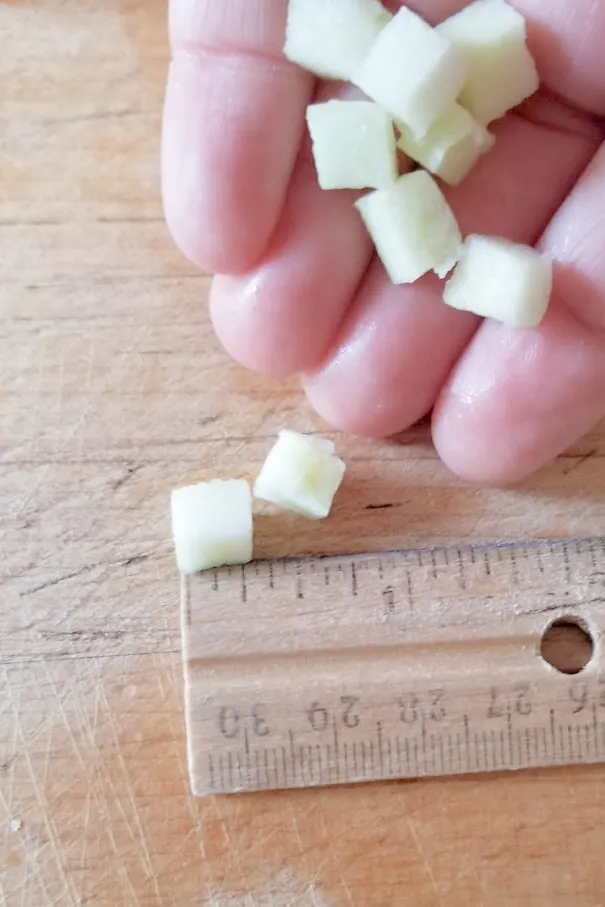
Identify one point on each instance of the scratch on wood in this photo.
(577, 462)
(130, 472)
(57, 580)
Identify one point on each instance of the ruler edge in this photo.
(529, 544)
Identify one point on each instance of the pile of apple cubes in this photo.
(440, 88)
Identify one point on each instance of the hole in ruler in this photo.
(567, 645)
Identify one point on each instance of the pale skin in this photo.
(305, 294)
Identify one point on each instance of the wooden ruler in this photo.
(435, 661)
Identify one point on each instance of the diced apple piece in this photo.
(499, 279)
(212, 524)
(413, 228)
(491, 36)
(331, 38)
(451, 147)
(412, 71)
(300, 474)
(353, 145)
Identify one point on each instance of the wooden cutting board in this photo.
(113, 390)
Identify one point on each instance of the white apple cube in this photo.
(331, 38)
(353, 145)
(301, 474)
(451, 147)
(413, 228)
(412, 71)
(491, 36)
(212, 524)
(499, 279)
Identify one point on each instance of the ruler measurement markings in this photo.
(427, 751)
(459, 752)
(319, 762)
(546, 736)
(380, 747)
(336, 748)
(372, 760)
(461, 569)
(256, 782)
(514, 567)
(410, 588)
(476, 751)
(544, 742)
(418, 767)
(280, 781)
(566, 563)
(580, 741)
(329, 763)
(493, 749)
(353, 579)
(467, 738)
(230, 768)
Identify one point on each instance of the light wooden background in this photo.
(113, 390)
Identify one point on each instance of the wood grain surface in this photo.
(112, 391)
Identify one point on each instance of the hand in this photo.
(305, 294)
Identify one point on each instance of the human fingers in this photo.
(398, 344)
(233, 120)
(518, 398)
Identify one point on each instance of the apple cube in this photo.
(353, 145)
(491, 36)
(212, 524)
(331, 38)
(498, 279)
(412, 71)
(413, 228)
(300, 474)
(451, 147)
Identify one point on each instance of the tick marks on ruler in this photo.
(461, 570)
(299, 581)
(514, 566)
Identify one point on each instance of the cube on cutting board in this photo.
(451, 147)
(491, 36)
(413, 227)
(212, 524)
(300, 474)
(353, 145)
(412, 71)
(498, 279)
(331, 38)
